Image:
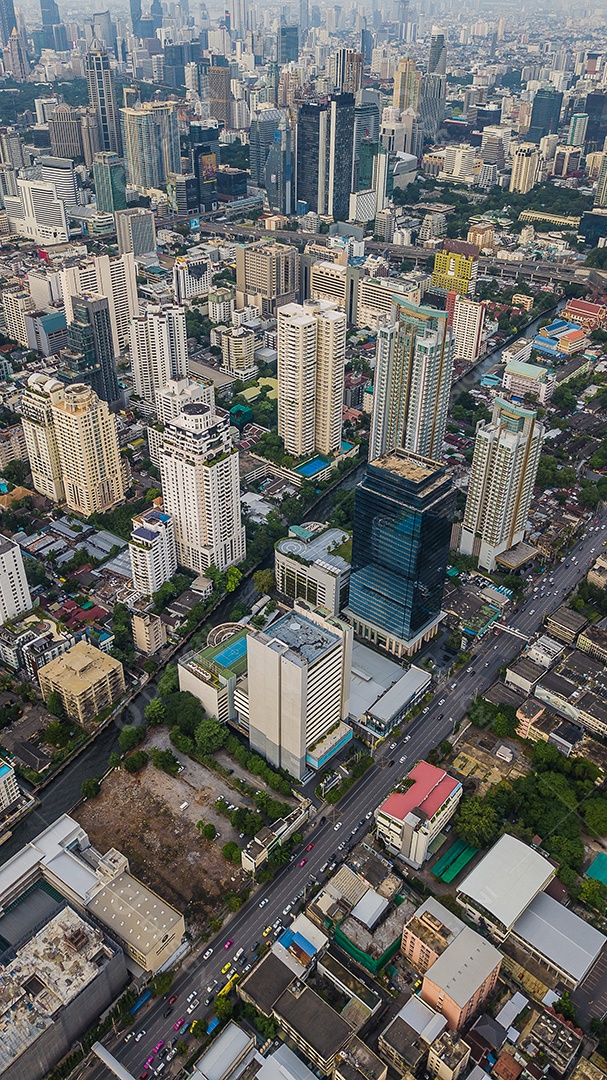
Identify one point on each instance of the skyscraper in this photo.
(136, 231)
(312, 172)
(50, 18)
(577, 129)
(600, 191)
(91, 466)
(279, 170)
(413, 373)
(341, 150)
(525, 164)
(437, 58)
(311, 357)
(264, 125)
(15, 595)
(504, 466)
(407, 82)
(102, 96)
(432, 103)
(158, 350)
(150, 136)
(89, 336)
(545, 114)
(348, 71)
(15, 57)
(288, 44)
(135, 9)
(403, 511)
(468, 323)
(7, 20)
(267, 275)
(220, 91)
(201, 488)
(299, 674)
(110, 182)
(40, 437)
(367, 111)
(114, 278)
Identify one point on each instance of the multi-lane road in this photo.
(424, 732)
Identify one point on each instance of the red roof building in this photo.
(409, 820)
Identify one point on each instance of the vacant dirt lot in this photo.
(139, 815)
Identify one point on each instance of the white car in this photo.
(191, 996)
(266, 900)
(427, 709)
(131, 1035)
(338, 826)
(207, 954)
(140, 1035)
(286, 910)
(407, 737)
(403, 759)
(193, 1006)
(442, 701)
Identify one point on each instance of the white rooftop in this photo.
(507, 879)
(223, 1052)
(464, 966)
(560, 935)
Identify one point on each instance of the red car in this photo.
(229, 942)
(309, 847)
(173, 999)
(303, 862)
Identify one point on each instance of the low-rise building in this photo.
(428, 933)
(558, 939)
(409, 820)
(149, 632)
(310, 564)
(523, 674)
(448, 1056)
(523, 378)
(597, 575)
(593, 640)
(565, 624)
(545, 651)
(406, 1040)
(462, 978)
(502, 885)
(315, 1028)
(86, 679)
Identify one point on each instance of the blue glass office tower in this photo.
(403, 511)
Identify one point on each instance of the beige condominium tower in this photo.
(85, 430)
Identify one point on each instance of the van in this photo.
(184, 806)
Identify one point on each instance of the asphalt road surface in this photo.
(427, 730)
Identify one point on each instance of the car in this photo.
(469, 670)
(532, 612)
(207, 954)
(246, 968)
(303, 862)
(337, 826)
(266, 900)
(131, 1035)
(286, 910)
(226, 967)
(228, 943)
(392, 746)
(184, 1027)
(194, 1005)
(191, 996)
(140, 1035)
(369, 815)
(159, 1046)
(442, 700)
(407, 737)
(173, 999)
(391, 763)
(310, 846)
(440, 716)
(424, 711)
(403, 759)
(149, 1061)
(144, 1075)
(178, 1024)
(211, 986)
(268, 930)
(453, 685)
(341, 846)
(361, 822)
(277, 924)
(209, 999)
(171, 1054)
(487, 664)
(168, 1012)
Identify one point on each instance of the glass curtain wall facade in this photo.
(403, 512)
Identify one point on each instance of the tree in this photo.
(54, 704)
(209, 831)
(168, 682)
(595, 815)
(235, 903)
(233, 578)
(223, 1007)
(135, 761)
(161, 984)
(477, 822)
(164, 760)
(504, 725)
(154, 712)
(264, 581)
(130, 737)
(90, 788)
(593, 894)
(183, 710)
(114, 761)
(211, 734)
